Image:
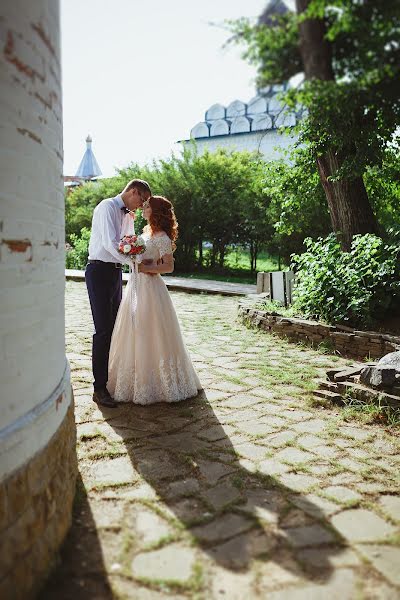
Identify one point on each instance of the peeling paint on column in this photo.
(36, 418)
(47, 243)
(47, 103)
(59, 400)
(32, 135)
(31, 201)
(10, 56)
(18, 245)
(38, 27)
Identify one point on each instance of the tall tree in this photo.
(348, 203)
(350, 57)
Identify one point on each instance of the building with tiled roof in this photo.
(256, 125)
(252, 126)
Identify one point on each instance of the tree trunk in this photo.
(251, 255)
(200, 260)
(315, 50)
(213, 254)
(256, 248)
(348, 202)
(222, 249)
(347, 199)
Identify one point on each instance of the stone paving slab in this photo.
(248, 491)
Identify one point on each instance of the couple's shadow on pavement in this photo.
(233, 513)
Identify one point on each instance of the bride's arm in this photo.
(165, 266)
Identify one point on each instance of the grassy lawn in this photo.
(237, 268)
(240, 259)
(229, 277)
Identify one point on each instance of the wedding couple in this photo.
(138, 352)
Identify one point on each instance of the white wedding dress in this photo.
(148, 360)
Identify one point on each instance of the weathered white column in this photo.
(37, 431)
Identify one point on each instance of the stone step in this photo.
(324, 384)
(331, 373)
(347, 373)
(367, 394)
(328, 395)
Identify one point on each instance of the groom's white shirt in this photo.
(109, 224)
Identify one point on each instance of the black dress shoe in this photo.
(103, 397)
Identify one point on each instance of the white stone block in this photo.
(240, 125)
(237, 108)
(257, 105)
(275, 105)
(220, 127)
(200, 130)
(261, 122)
(260, 282)
(216, 111)
(285, 119)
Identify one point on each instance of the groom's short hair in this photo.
(141, 185)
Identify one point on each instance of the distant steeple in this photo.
(274, 8)
(88, 167)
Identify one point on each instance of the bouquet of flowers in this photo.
(132, 245)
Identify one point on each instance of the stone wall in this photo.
(37, 434)
(346, 341)
(269, 142)
(35, 513)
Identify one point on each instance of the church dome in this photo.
(88, 167)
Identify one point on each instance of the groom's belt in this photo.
(102, 262)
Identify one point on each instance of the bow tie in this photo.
(126, 210)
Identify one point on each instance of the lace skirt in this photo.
(148, 360)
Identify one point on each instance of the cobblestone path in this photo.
(244, 492)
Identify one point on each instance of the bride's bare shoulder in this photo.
(159, 234)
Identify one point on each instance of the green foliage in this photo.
(369, 412)
(218, 198)
(358, 111)
(77, 255)
(294, 200)
(231, 204)
(359, 287)
(80, 203)
(272, 49)
(383, 186)
(295, 203)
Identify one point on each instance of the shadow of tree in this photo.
(233, 512)
(81, 553)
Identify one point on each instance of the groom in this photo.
(103, 276)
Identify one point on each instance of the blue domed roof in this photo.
(88, 167)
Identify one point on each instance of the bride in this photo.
(148, 360)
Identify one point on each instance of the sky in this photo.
(139, 74)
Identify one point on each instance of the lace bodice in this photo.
(156, 246)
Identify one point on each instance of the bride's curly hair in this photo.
(162, 218)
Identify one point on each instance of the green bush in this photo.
(216, 196)
(77, 255)
(357, 288)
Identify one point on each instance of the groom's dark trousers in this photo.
(104, 285)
